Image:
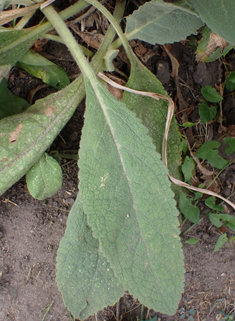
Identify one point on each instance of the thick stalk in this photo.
(72, 45)
(70, 42)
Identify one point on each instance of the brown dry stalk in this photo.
(170, 114)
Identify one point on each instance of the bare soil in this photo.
(30, 230)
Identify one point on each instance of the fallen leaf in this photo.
(215, 42)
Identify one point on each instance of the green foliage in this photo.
(231, 145)
(210, 202)
(188, 168)
(10, 104)
(161, 22)
(31, 138)
(217, 218)
(13, 45)
(230, 81)
(218, 15)
(211, 94)
(44, 178)
(85, 278)
(190, 211)
(206, 113)
(152, 113)
(188, 124)
(220, 242)
(130, 220)
(42, 68)
(209, 151)
(192, 241)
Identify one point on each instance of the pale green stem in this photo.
(117, 15)
(71, 43)
(23, 21)
(73, 46)
(116, 26)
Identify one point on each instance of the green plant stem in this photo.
(115, 24)
(69, 40)
(117, 16)
(73, 46)
(20, 25)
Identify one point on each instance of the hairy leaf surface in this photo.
(24, 137)
(153, 114)
(126, 194)
(161, 22)
(218, 15)
(85, 278)
(13, 45)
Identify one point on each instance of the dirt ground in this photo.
(30, 230)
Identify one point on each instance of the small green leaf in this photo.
(217, 218)
(184, 146)
(42, 68)
(210, 202)
(188, 168)
(209, 151)
(192, 241)
(161, 22)
(84, 277)
(45, 178)
(230, 81)
(190, 211)
(188, 124)
(211, 94)
(206, 113)
(220, 242)
(197, 195)
(10, 104)
(231, 145)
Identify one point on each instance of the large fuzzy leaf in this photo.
(218, 15)
(161, 22)
(85, 278)
(153, 115)
(126, 194)
(24, 137)
(13, 45)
